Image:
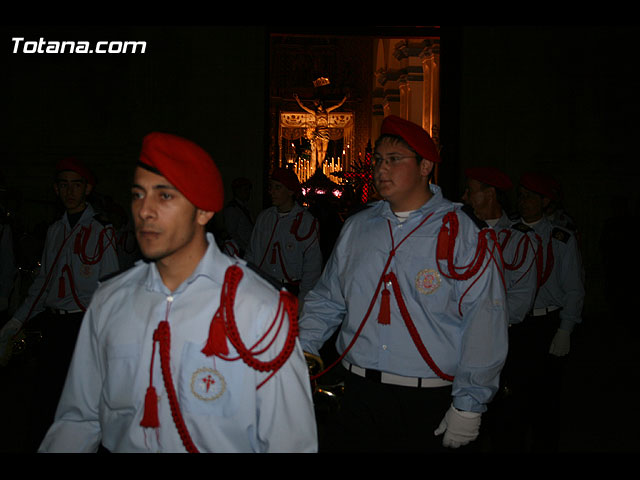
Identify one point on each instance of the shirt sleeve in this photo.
(572, 285)
(484, 341)
(324, 306)
(286, 417)
(521, 282)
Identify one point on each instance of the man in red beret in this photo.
(79, 249)
(486, 193)
(422, 345)
(284, 244)
(189, 350)
(540, 343)
(238, 219)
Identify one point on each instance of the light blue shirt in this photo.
(104, 394)
(285, 253)
(519, 250)
(70, 269)
(564, 288)
(471, 346)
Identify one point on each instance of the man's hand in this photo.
(459, 428)
(561, 343)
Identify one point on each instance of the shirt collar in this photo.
(428, 207)
(85, 218)
(212, 266)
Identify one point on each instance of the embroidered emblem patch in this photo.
(427, 281)
(207, 384)
(85, 271)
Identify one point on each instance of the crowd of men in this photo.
(451, 320)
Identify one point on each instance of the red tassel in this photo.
(384, 316)
(443, 244)
(150, 417)
(217, 341)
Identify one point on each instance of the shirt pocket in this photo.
(210, 387)
(122, 367)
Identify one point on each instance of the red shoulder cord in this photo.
(80, 246)
(223, 327)
(445, 251)
(295, 227)
(276, 251)
(544, 272)
(520, 253)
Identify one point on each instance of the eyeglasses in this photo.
(378, 160)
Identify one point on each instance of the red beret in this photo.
(413, 134)
(75, 165)
(542, 184)
(288, 178)
(187, 166)
(491, 176)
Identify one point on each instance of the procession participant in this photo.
(79, 249)
(486, 188)
(415, 289)
(539, 344)
(238, 220)
(284, 243)
(485, 192)
(188, 350)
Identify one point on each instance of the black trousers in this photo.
(375, 417)
(524, 415)
(59, 335)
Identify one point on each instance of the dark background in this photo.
(560, 98)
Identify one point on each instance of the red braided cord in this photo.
(295, 226)
(67, 269)
(49, 273)
(83, 238)
(413, 331)
(543, 275)
(452, 219)
(287, 305)
(163, 335)
(266, 250)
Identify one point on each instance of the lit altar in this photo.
(295, 127)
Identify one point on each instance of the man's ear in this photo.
(203, 216)
(426, 167)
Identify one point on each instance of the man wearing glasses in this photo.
(419, 299)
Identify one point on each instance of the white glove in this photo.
(7, 333)
(459, 427)
(560, 343)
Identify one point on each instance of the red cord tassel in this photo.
(443, 244)
(217, 341)
(384, 316)
(150, 417)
